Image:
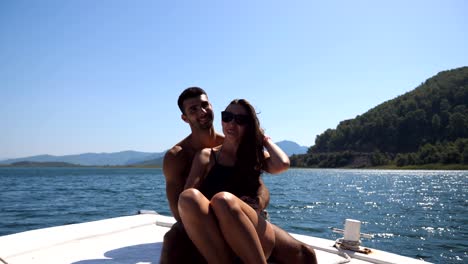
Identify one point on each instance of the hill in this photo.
(42, 164)
(157, 162)
(93, 159)
(289, 147)
(426, 125)
(123, 158)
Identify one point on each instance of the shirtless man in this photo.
(177, 247)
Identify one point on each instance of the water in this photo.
(420, 214)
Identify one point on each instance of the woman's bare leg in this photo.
(202, 227)
(249, 235)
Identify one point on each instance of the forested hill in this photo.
(432, 118)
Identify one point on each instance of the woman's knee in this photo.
(223, 201)
(189, 199)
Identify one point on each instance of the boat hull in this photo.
(137, 239)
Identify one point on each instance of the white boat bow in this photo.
(138, 239)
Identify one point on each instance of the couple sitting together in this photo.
(215, 191)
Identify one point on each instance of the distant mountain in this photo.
(291, 147)
(153, 156)
(42, 164)
(157, 162)
(90, 159)
(124, 158)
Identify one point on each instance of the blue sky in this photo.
(104, 76)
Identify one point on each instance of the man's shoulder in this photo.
(182, 150)
(174, 150)
(185, 149)
(177, 152)
(219, 138)
(176, 161)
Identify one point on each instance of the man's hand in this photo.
(253, 202)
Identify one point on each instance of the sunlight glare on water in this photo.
(420, 214)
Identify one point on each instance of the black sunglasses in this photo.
(239, 119)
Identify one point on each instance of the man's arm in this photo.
(263, 196)
(262, 200)
(174, 170)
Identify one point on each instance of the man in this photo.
(177, 247)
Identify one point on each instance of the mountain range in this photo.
(122, 158)
(128, 158)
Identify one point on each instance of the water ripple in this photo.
(421, 214)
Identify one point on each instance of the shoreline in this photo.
(449, 167)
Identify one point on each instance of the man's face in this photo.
(198, 112)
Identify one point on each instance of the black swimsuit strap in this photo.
(216, 155)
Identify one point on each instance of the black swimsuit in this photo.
(224, 178)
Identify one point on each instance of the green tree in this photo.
(465, 156)
(428, 154)
(436, 123)
(401, 160)
(451, 155)
(458, 125)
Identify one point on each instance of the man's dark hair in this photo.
(188, 93)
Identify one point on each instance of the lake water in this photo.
(420, 214)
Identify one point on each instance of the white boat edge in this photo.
(138, 239)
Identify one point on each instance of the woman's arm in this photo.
(199, 168)
(276, 160)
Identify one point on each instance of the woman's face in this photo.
(234, 121)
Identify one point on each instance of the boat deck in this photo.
(136, 239)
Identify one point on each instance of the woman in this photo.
(222, 225)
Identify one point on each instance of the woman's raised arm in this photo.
(276, 160)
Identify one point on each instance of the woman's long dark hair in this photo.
(250, 155)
